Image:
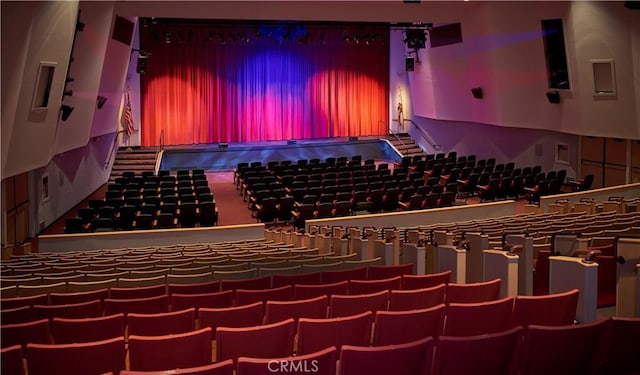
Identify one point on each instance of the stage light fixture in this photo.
(65, 110)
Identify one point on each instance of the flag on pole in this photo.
(127, 115)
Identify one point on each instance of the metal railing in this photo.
(425, 136)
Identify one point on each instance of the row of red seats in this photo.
(155, 300)
(603, 347)
(406, 313)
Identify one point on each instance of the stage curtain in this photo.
(214, 83)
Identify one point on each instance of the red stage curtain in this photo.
(245, 83)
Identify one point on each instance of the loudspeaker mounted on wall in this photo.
(141, 66)
(100, 101)
(223, 145)
(353, 139)
(291, 142)
(553, 97)
(409, 64)
(477, 92)
(65, 110)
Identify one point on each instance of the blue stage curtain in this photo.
(226, 82)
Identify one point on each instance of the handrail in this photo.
(113, 147)
(426, 136)
(159, 151)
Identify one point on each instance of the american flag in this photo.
(127, 115)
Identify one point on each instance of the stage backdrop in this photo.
(208, 82)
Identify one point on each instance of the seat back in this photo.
(473, 292)
(68, 331)
(304, 291)
(322, 362)
(374, 286)
(240, 316)
(345, 305)
(150, 305)
(36, 331)
(162, 324)
(249, 296)
(387, 272)
(399, 327)
(318, 334)
(307, 308)
(97, 357)
(403, 359)
(400, 300)
(267, 341)
(11, 361)
(426, 281)
(161, 353)
(90, 309)
(560, 349)
(209, 300)
(495, 353)
(488, 317)
(552, 310)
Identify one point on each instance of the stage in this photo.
(220, 157)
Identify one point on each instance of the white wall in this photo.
(503, 52)
(32, 32)
(72, 175)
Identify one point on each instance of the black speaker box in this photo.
(477, 92)
(223, 145)
(553, 97)
(409, 64)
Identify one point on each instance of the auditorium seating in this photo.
(144, 201)
(322, 189)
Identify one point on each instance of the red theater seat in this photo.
(387, 272)
(306, 308)
(69, 331)
(335, 276)
(239, 316)
(151, 305)
(209, 300)
(425, 281)
(310, 278)
(249, 296)
(11, 361)
(470, 319)
(473, 292)
(138, 292)
(36, 331)
(619, 346)
(494, 353)
(318, 334)
(549, 310)
(374, 286)
(412, 358)
(159, 353)
(399, 327)
(322, 362)
(341, 305)
(266, 341)
(560, 350)
(218, 368)
(80, 310)
(161, 324)
(303, 291)
(98, 357)
(416, 298)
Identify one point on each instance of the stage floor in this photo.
(221, 157)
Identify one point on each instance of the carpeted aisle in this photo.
(232, 210)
